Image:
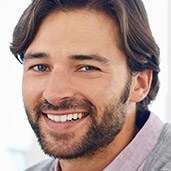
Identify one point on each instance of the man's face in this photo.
(76, 83)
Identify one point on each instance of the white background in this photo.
(18, 147)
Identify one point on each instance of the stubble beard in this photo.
(99, 134)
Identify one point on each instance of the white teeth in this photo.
(75, 116)
(51, 117)
(79, 115)
(57, 118)
(69, 117)
(65, 118)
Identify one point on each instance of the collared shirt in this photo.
(135, 154)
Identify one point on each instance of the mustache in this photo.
(66, 104)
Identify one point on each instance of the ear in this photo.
(141, 83)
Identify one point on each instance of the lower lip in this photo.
(56, 126)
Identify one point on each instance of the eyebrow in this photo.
(37, 55)
(93, 57)
(80, 57)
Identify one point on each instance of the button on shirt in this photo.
(135, 154)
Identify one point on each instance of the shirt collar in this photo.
(135, 154)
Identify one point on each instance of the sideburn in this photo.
(126, 91)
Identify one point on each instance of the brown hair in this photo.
(137, 41)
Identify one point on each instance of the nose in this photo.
(58, 87)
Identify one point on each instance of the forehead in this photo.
(79, 31)
(79, 21)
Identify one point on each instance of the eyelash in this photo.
(84, 68)
(38, 69)
(88, 68)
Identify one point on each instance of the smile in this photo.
(66, 118)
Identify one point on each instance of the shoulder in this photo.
(44, 165)
(160, 158)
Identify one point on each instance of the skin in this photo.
(51, 73)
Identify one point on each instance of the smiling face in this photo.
(76, 83)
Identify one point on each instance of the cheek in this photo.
(91, 87)
(104, 91)
(31, 90)
(97, 91)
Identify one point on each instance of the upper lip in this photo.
(63, 112)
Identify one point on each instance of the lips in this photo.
(64, 120)
(67, 117)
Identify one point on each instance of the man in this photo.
(90, 71)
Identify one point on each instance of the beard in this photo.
(99, 134)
